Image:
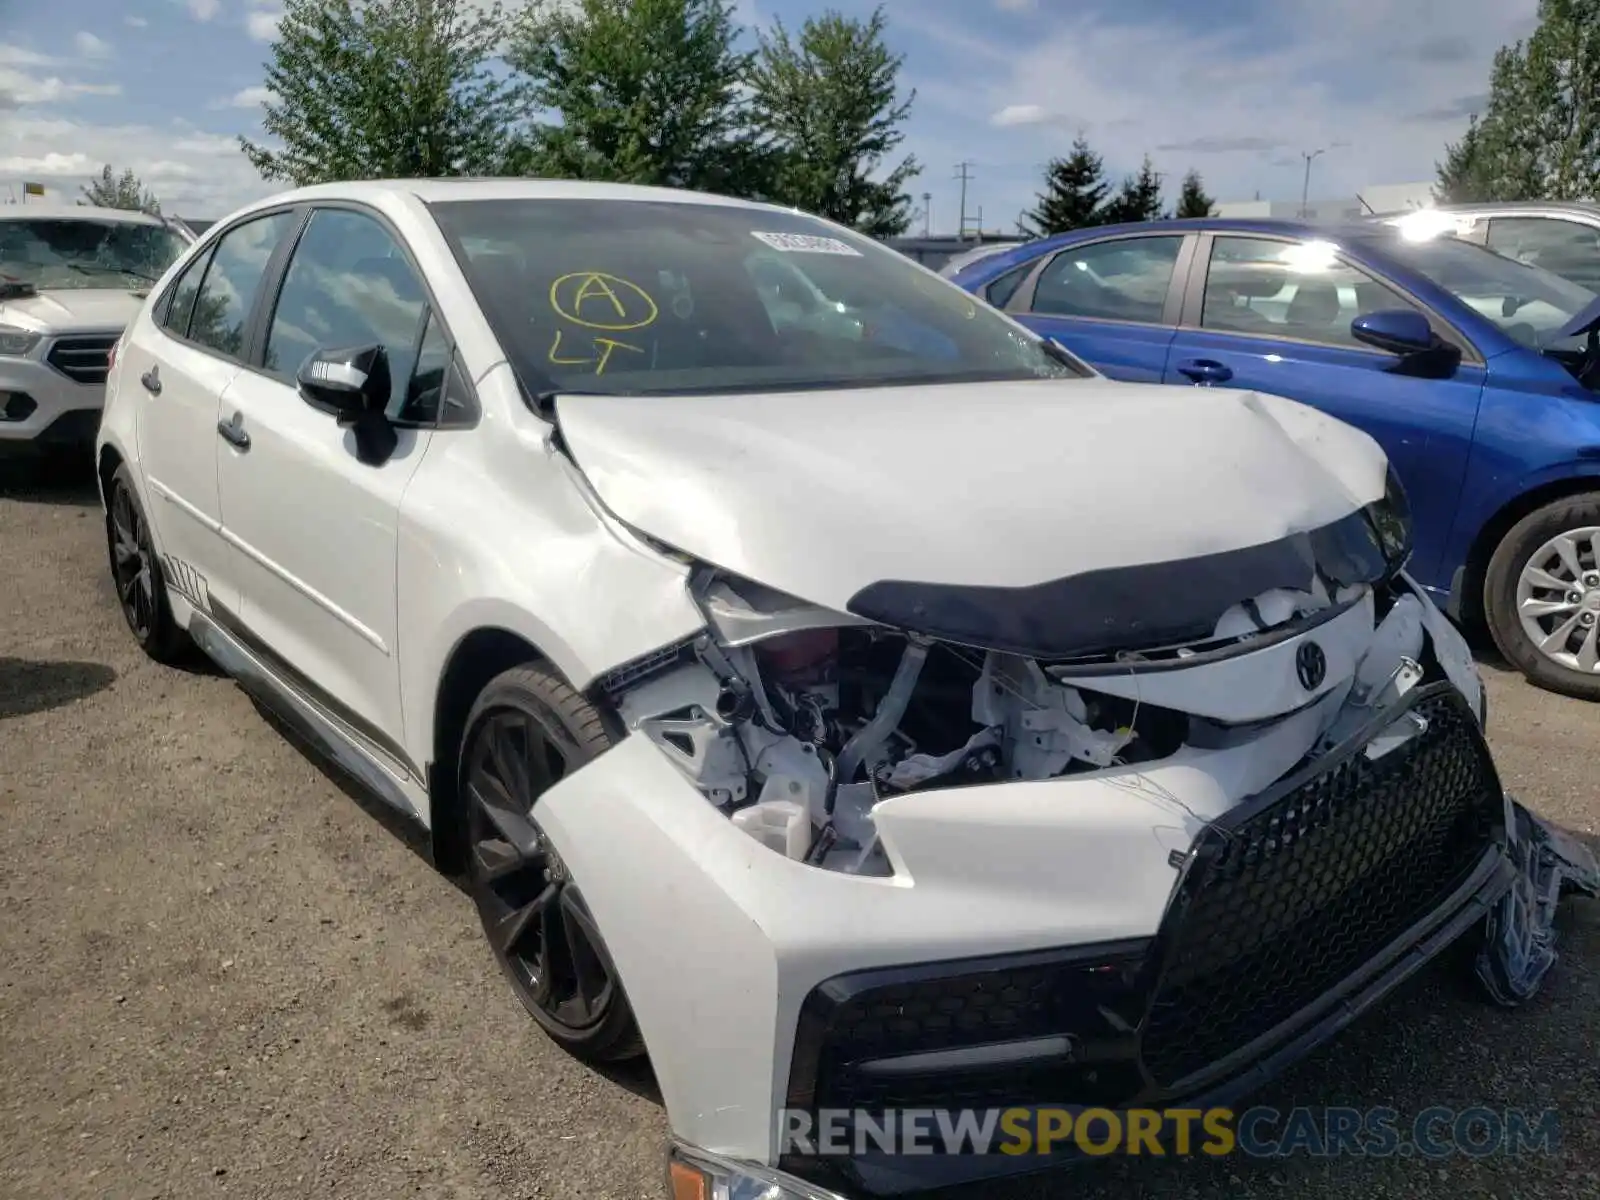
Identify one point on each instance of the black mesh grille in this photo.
(1314, 881)
(1023, 998)
(83, 359)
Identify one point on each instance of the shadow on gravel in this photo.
(395, 823)
(50, 481)
(28, 686)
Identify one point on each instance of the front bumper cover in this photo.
(1295, 914)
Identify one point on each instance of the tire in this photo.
(527, 729)
(1525, 567)
(136, 575)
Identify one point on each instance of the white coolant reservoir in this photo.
(781, 825)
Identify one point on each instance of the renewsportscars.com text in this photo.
(1259, 1132)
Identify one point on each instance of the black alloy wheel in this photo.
(136, 573)
(526, 732)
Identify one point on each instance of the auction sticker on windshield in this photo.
(806, 243)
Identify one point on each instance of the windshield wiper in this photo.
(85, 269)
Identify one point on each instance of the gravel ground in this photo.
(224, 975)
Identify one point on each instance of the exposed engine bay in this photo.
(798, 721)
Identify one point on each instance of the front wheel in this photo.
(1542, 596)
(527, 730)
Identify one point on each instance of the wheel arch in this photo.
(1476, 568)
(477, 657)
(105, 467)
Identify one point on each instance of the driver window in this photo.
(348, 284)
(1297, 290)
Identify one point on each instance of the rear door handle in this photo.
(233, 433)
(1205, 371)
(152, 381)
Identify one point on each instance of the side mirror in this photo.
(353, 385)
(1408, 335)
(346, 382)
(1399, 330)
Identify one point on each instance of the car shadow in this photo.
(30, 686)
(636, 1076)
(395, 823)
(62, 481)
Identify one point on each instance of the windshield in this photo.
(1528, 303)
(67, 252)
(646, 297)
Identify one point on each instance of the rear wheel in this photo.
(527, 730)
(136, 574)
(1542, 596)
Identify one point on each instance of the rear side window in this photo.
(1122, 280)
(999, 292)
(232, 280)
(181, 305)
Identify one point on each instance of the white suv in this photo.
(851, 720)
(71, 278)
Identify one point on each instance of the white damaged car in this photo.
(887, 716)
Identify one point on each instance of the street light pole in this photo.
(1305, 188)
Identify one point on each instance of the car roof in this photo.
(70, 212)
(438, 191)
(1552, 208)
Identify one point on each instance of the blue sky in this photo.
(1236, 88)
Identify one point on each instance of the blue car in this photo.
(1476, 373)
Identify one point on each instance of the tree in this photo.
(647, 91)
(829, 105)
(1192, 200)
(1539, 135)
(1139, 199)
(1075, 190)
(1462, 173)
(385, 89)
(120, 191)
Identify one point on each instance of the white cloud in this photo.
(251, 97)
(136, 22)
(90, 46)
(1015, 5)
(1241, 103)
(263, 26)
(16, 56)
(203, 10)
(18, 89)
(1020, 114)
(193, 173)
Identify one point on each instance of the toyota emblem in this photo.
(1311, 664)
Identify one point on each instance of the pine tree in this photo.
(1192, 200)
(828, 101)
(366, 89)
(124, 191)
(1075, 191)
(647, 91)
(1539, 135)
(1140, 197)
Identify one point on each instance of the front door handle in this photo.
(233, 433)
(152, 381)
(1205, 371)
